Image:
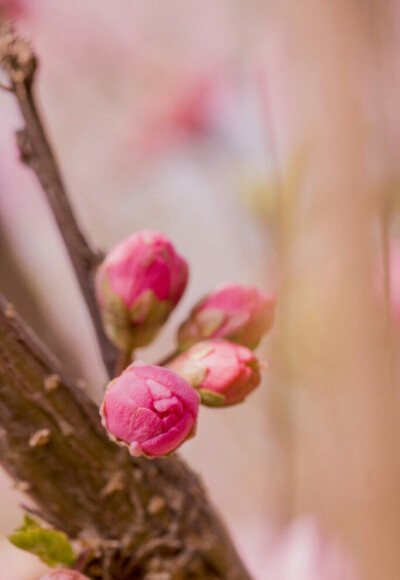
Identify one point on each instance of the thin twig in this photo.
(19, 63)
(124, 359)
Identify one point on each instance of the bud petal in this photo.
(150, 410)
(137, 287)
(241, 314)
(224, 373)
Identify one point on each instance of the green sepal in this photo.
(211, 399)
(209, 321)
(138, 326)
(51, 546)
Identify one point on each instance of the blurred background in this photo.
(263, 137)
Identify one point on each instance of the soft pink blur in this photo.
(394, 277)
(304, 552)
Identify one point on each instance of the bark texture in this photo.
(135, 518)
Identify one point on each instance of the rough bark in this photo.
(132, 518)
(135, 517)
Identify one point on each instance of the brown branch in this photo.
(19, 63)
(144, 517)
(134, 518)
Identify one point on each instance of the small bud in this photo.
(63, 574)
(150, 410)
(223, 372)
(137, 286)
(241, 314)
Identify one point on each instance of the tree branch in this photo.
(139, 517)
(134, 518)
(19, 63)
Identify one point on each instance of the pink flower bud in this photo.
(150, 409)
(12, 8)
(238, 313)
(223, 372)
(63, 574)
(137, 287)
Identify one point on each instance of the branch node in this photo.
(25, 146)
(16, 56)
(115, 483)
(156, 505)
(22, 486)
(66, 429)
(82, 384)
(41, 437)
(158, 576)
(51, 383)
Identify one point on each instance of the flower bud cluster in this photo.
(151, 409)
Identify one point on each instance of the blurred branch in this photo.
(135, 517)
(19, 64)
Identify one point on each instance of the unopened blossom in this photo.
(150, 409)
(137, 287)
(63, 574)
(241, 314)
(223, 372)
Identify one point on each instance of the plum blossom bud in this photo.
(12, 8)
(137, 287)
(149, 409)
(63, 574)
(223, 372)
(241, 314)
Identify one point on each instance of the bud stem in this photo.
(124, 359)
